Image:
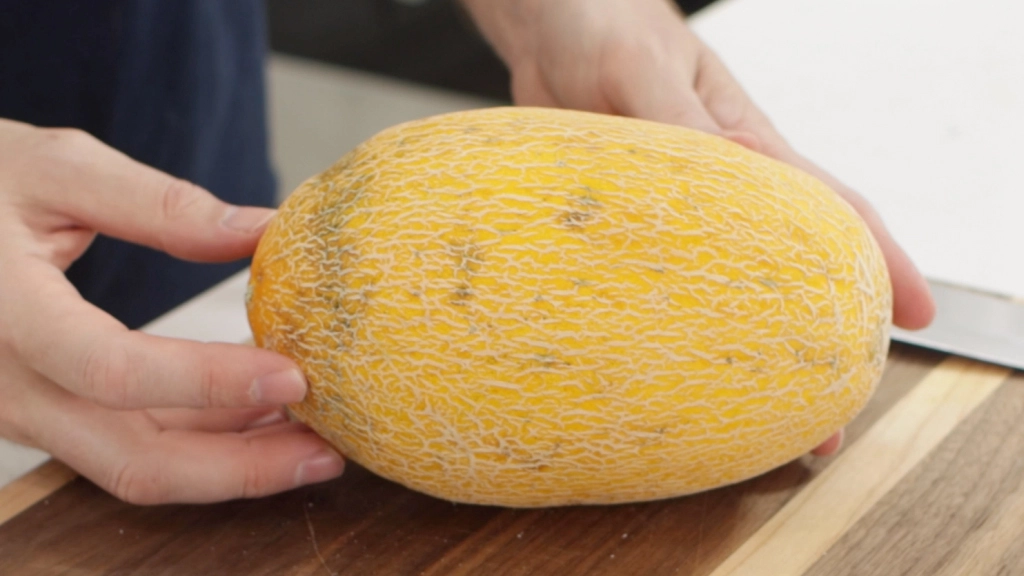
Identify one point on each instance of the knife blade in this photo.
(974, 324)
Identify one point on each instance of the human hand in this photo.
(639, 58)
(149, 419)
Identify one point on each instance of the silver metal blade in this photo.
(974, 324)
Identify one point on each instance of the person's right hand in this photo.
(641, 59)
(149, 419)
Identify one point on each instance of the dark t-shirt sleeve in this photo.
(175, 84)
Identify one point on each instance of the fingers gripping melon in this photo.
(534, 307)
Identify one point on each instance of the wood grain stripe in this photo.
(829, 505)
(958, 512)
(42, 481)
(984, 550)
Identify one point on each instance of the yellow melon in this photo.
(535, 307)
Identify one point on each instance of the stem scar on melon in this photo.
(535, 307)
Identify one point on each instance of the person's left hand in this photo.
(639, 58)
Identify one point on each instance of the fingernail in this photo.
(246, 219)
(319, 467)
(278, 388)
(275, 417)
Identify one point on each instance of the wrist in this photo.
(508, 25)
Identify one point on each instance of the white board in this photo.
(917, 104)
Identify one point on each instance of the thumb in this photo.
(100, 188)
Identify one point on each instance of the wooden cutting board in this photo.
(930, 482)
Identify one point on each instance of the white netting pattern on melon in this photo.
(561, 318)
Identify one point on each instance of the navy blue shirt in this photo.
(175, 84)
